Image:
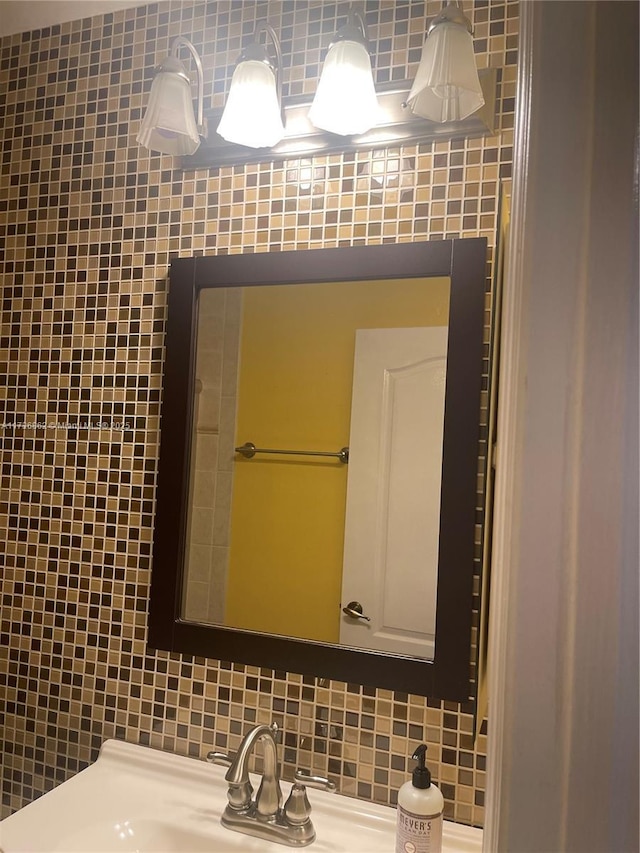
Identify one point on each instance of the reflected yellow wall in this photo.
(296, 373)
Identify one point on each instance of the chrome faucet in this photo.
(269, 797)
(265, 817)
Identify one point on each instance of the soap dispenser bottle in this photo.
(420, 807)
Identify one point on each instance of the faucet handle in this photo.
(220, 758)
(320, 782)
(297, 809)
(239, 795)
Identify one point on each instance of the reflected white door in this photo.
(393, 493)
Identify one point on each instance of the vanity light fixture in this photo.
(446, 87)
(253, 113)
(169, 125)
(348, 112)
(345, 101)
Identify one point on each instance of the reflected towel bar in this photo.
(249, 450)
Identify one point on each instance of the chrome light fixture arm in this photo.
(354, 30)
(452, 14)
(179, 42)
(259, 52)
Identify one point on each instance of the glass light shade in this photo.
(446, 87)
(252, 114)
(169, 125)
(345, 101)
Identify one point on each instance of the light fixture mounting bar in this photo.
(302, 139)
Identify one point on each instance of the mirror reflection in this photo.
(284, 544)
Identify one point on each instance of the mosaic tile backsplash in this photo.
(88, 225)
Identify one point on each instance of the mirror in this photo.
(353, 566)
(281, 542)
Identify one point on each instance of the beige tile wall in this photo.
(88, 225)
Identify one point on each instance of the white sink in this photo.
(136, 799)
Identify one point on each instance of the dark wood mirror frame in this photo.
(448, 675)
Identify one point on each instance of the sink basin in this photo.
(136, 799)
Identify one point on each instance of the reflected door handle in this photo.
(354, 609)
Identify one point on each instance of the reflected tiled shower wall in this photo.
(209, 523)
(88, 225)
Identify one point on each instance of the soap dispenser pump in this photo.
(420, 807)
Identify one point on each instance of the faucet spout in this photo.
(269, 798)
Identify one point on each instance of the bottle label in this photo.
(418, 833)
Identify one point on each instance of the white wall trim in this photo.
(563, 653)
(507, 419)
